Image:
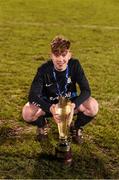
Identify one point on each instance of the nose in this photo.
(61, 59)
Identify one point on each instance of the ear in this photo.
(70, 54)
(51, 55)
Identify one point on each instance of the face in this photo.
(60, 61)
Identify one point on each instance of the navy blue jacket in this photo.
(43, 91)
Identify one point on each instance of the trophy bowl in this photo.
(63, 150)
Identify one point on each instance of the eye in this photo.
(56, 54)
(64, 54)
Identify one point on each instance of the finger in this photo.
(57, 118)
(53, 109)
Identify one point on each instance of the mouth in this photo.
(60, 64)
(59, 67)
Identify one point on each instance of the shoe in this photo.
(77, 135)
(42, 133)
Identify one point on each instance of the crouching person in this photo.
(59, 76)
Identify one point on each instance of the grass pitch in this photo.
(26, 29)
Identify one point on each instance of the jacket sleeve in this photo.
(36, 92)
(81, 80)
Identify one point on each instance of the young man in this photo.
(59, 77)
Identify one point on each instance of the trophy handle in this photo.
(70, 116)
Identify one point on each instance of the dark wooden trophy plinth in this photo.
(63, 152)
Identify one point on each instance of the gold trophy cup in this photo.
(63, 149)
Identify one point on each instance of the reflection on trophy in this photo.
(63, 149)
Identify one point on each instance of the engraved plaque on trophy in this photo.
(63, 149)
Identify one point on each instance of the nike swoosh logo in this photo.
(48, 85)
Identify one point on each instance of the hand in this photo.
(55, 113)
(73, 106)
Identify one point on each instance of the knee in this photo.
(94, 107)
(26, 113)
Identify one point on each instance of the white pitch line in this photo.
(55, 24)
(99, 27)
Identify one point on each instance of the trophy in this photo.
(63, 149)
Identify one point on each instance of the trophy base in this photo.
(63, 153)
